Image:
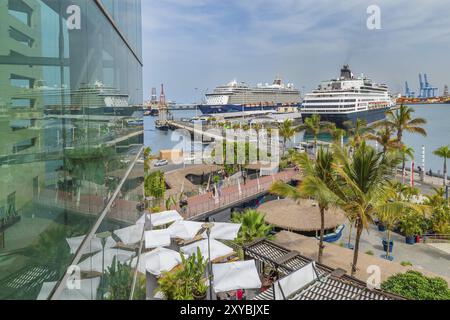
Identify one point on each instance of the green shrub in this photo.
(369, 252)
(414, 285)
(406, 264)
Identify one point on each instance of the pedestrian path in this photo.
(233, 195)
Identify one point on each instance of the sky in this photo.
(192, 46)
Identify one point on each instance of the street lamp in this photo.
(208, 227)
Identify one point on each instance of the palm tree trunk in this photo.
(350, 234)
(388, 243)
(359, 229)
(322, 233)
(445, 171)
(403, 170)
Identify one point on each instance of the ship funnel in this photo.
(346, 74)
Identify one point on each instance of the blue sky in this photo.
(200, 44)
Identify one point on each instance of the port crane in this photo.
(426, 90)
(408, 92)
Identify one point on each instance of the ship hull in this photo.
(213, 109)
(339, 119)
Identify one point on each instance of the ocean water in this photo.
(438, 134)
(438, 128)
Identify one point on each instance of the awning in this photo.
(157, 261)
(235, 275)
(185, 230)
(162, 218)
(94, 263)
(224, 231)
(94, 245)
(218, 249)
(161, 260)
(157, 238)
(130, 235)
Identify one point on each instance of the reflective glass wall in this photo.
(70, 130)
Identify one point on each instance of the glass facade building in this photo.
(70, 142)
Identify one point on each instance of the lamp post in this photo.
(208, 226)
(103, 237)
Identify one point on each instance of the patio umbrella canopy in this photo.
(218, 249)
(161, 260)
(95, 244)
(235, 275)
(94, 263)
(185, 230)
(157, 238)
(161, 218)
(130, 235)
(87, 291)
(224, 231)
(303, 216)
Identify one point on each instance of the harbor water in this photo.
(438, 129)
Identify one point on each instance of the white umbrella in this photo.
(235, 275)
(157, 238)
(161, 260)
(94, 245)
(162, 218)
(224, 231)
(218, 249)
(185, 230)
(94, 263)
(87, 290)
(130, 235)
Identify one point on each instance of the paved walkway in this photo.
(336, 256)
(205, 203)
(422, 256)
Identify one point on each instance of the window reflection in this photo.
(70, 125)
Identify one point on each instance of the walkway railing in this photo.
(436, 238)
(234, 195)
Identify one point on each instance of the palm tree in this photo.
(148, 157)
(360, 189)
(286, 131)
(406, 153)
(314, 126)
(384, 137)
(357, 130)
(443, 152)
(401, 120)
(318, 176)
(253, 226)
(336, 133)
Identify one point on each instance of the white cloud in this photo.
(203, 43)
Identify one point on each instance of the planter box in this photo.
(410, 240)
(385, 245)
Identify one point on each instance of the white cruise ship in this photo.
(348, 98)
(236, 97)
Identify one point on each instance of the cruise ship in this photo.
(238, 96)
(88, 99)
(347, 99)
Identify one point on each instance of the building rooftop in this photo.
(330, 284)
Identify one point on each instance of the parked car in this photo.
(161, 163)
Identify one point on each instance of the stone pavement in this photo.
(423, 256)
(336, 256)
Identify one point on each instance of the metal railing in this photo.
(232, 196)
